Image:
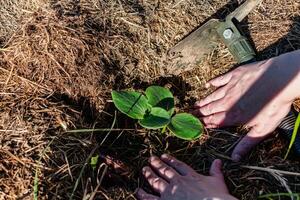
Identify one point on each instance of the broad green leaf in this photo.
(160, 97)
(94, 161)
(186, 126)
(157, 118)
(133, 104)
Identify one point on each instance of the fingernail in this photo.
(152, 158)
(144, 170)
(139, 192)
(197, 104)
(218, 162)
(236, 157)
(165, 156)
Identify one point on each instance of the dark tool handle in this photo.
(238, 45)
(241, 49)
(241, 12)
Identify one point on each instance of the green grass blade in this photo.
(97, 130)
(293, 136)
(278, 195)
(89, 157)
(82, 171)
(36, 176)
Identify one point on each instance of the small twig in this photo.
(9, 76)
(26, 80)
(179, 2)
(221, 155)
(13, 156)
(18, 131)
(131, 23)
(22, 162)
(6, 93)
(271, 170)
(59, 65)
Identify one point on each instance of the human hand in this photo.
(174, 180)
(257, 95)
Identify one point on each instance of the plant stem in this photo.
(164, 129)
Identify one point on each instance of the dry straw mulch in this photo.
(59, 61)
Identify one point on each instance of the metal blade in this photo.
(241, 12)
(195, 47)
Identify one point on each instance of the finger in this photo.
(216, 169)
(182, 168)
(218, 94)
(142, 195)
(253, 138)
(220, 81)
(214, 120)
(212, 126)
(212, 108)
(164, 170)
(221, 119)
(158, 184)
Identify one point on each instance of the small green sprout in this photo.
(155, 110)
(94, 161)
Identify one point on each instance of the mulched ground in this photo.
(61, 59)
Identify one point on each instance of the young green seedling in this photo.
(155, 110)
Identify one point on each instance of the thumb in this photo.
(253, 138)
(216, 169)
